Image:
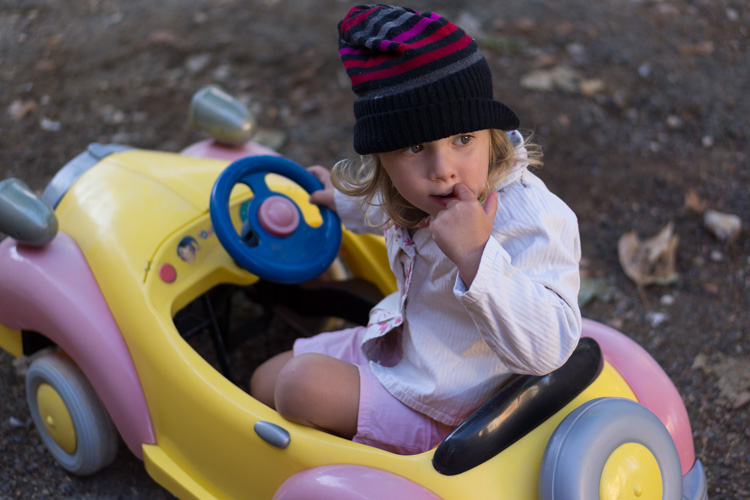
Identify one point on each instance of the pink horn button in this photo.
(278, 216)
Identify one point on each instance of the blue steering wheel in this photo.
(276, 243)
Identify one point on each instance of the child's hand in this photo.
(323, 196)
(463, 228)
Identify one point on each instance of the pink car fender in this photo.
(346, 482)
(211, 149)
(51, 290)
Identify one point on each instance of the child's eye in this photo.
(415, 149)
(464, 139)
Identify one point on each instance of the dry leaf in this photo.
(591, 87)
(18, 109)
(700, 362)
(733, 376)
(694, 202)
(167, 38)
(651, 261)
(711, 288)
(561, 77)
(741, 400)
(698, 49)
(594, 288)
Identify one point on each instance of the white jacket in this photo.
(444, 350)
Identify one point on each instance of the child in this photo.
(486, 258)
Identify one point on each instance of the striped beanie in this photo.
(417, 77)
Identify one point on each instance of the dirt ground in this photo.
(640, 104)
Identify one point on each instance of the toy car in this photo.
(128, 253)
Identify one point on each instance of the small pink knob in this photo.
(278, 216)
(167, 273)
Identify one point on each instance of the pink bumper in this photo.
(345, 482)
(211, 149)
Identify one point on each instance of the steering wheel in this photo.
(276, 243)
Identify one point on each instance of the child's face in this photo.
(426, 174)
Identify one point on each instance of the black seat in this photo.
(517, 408)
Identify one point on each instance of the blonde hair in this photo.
(368, 180)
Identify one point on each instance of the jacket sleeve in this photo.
(524, 299)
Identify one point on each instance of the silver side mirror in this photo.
(222, 116)
(24, 215)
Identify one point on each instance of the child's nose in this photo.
(443, 167)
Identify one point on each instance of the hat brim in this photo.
(394, 130)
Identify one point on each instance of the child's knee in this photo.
(311, 384)
(295, 386)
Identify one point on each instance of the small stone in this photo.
(724, 226)
(657, 318)
(674, 122)
(50, 125)
(197, 63)
(667, 300)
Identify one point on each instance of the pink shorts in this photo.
(383, 421)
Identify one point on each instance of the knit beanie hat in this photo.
(417, 77)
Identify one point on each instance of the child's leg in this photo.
(263, 380)
(319, 391)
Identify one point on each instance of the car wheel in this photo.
(69, 416)
(611, 448)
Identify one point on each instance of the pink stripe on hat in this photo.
(376, 60)
(411, 63)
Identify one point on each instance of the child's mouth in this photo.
(444, 199)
